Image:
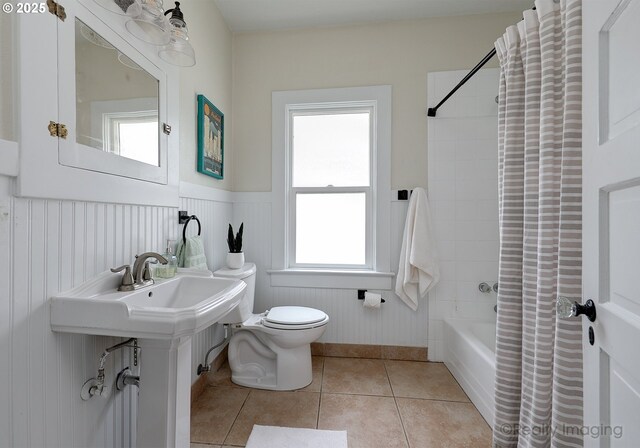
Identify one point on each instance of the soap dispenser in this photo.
(168, 270)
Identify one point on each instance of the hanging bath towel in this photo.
(190, 254)
(418, 268)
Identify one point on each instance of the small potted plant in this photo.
(235, 257)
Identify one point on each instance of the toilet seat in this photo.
(294, 318)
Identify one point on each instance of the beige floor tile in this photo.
(292, 409)
(222, 378)
(213, 414)
(317, 366)
(370, 422)
(440, 424)
(355, 376)
(429, 380)
(203, 445)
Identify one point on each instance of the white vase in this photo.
(235, 260)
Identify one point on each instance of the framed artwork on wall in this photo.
(210, 139)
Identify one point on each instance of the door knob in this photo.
(565, 308)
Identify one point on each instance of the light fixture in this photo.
(179, 51)
(151, 25)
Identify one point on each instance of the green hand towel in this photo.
(191, 254)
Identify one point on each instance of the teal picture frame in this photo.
(210, 139)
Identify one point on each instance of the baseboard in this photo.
(396, 352)
(198, 387)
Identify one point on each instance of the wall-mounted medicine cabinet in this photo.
(97, 109)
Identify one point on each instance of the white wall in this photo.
(463, 187)
(211, 76)
(396, 53)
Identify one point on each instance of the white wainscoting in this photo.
(393, 324)
(48, 246)
(214, 217)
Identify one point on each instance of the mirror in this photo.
(116, 100)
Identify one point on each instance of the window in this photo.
(331, 192)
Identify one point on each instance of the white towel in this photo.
(418, 268)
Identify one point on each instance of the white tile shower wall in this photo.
(463, 177)
(48, 246)
(393, 324)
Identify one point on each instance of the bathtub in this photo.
(469, 353)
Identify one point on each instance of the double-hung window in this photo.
(331, 187)
(330, 194)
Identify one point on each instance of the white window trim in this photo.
(378, 276)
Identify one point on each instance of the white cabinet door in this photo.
(611, 220)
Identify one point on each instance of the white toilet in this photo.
(271, 350)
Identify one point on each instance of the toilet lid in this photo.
(293, 315)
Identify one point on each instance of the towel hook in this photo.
(184, 230)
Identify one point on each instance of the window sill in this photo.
(336, 279)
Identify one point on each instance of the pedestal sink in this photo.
(163, 317)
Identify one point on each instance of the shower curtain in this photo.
(538, 394)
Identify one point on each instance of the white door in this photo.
(611, 221)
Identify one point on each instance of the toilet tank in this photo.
(244, 310)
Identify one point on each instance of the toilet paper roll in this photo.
(372, 300)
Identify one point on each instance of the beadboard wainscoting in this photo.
(393, 324)
(49, 246)
(214, 217)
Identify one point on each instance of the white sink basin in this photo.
(169, 309)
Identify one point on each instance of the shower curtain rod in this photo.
(431, 112)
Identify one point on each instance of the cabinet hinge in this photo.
(56, 9)
(57, 129)
(166, 128)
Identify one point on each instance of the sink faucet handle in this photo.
(146, 272)
(127, 277)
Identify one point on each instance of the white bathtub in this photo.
(469, 353)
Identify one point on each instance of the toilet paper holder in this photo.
(361, 295)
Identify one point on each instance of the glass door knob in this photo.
(565, 308)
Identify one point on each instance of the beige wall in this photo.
(396, 53)
(6, 67)
(211, 76)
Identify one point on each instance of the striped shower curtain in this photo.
(538, 393)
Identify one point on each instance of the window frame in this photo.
(375, 273)
(350, 107)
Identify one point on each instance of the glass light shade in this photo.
(130, 8)
(179, 51)
(150, 25)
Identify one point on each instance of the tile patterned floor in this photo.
(380, 403)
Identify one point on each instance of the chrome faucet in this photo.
(141, 276)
